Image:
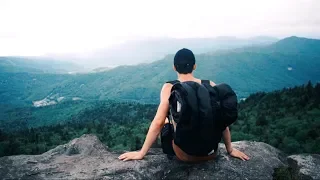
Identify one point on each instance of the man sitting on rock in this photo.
(193, 116)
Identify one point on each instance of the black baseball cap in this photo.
(184, 57)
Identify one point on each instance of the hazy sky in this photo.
(36, 27)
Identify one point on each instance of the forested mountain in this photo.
(296, 45)
(146, 50)
(36, 65)
(23, 88)
(288, 119)
(286, 63)
(290, 45)
(121, 122)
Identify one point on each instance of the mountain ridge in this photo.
(20, 64)
(272, 70)
(147, 50)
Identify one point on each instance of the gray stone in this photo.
(87, 158)
(307, 165)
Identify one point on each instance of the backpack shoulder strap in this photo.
(176, 81)
(211, 89)
(173, 82)
(169, 115)
(205, 82)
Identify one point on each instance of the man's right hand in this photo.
(135, 155)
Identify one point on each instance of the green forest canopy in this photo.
(288, 119)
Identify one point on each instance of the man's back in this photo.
(181, 154)
(183, 65)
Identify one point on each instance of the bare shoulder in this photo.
(212, 83)
(165, 91)
(166, 87)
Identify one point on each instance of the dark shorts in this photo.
(167, 134)
(166, 139)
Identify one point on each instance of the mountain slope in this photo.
(151, 49)
(287, 119)
(23, 88)
(296, 45)
(246, 70)
(35, 65)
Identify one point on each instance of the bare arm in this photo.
(232, 151)
(226, 133)
(227, 142)
(155, 126)
(158, 120)
(227, 139)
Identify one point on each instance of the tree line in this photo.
(288, 119)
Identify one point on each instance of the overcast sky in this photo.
(37, 27)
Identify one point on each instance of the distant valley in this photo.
(287, 119)
(47, 102)
(286, 63)
(147, 50)
(37, 65)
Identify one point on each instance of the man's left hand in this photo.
(238, 154)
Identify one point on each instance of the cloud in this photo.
(44, 26)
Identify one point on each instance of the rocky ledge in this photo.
(87, 158)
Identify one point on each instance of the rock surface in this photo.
(87, 158)
(307, 165)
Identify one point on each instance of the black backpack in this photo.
(201, 112)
